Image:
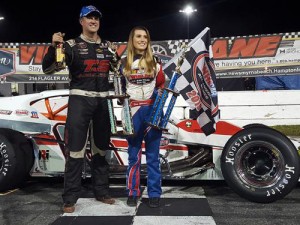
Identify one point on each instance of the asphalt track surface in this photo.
(183, 202)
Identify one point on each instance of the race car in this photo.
(259, 163)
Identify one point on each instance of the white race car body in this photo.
(186, 152)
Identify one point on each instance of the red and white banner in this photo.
(246, 56)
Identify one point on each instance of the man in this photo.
(89, 60)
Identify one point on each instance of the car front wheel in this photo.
(16, 159)
(260, 164)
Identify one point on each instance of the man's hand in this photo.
(57, 38)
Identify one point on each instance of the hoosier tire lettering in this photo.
(260, 164)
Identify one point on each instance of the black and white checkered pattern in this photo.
(175, 45)
(197, 82)
(286, 37)
(9, 45)
(178, 205)
(17, 45)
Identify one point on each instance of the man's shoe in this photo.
(132, 201)
(69, 207)
(106, 199)
(154, 202)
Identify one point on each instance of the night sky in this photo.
(35, 23)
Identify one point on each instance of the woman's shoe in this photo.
(154, 202)
(132, 201)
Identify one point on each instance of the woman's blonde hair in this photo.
(147, 61)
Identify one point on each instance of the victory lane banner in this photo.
(23, 63)
(260, 55)
(241, 56)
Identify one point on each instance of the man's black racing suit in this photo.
(89, 63)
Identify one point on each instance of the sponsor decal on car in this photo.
(5, 112)
(22, 112)
(44, 155)
(34, 114)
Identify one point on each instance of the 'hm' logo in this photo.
(7, 63)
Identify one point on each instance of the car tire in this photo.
(260, 164)
(16, 159)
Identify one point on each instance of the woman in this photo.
(144, 80)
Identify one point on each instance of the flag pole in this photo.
(175, 57)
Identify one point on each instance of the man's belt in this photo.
(134, 103)
(88, 93)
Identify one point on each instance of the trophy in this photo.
(60, 59)
(159, 119)
(127, 124)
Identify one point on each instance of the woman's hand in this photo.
(160, 91)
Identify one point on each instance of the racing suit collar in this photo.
(89, 40)
(137, 56)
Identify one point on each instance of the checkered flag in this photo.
(174, 45)
(197, 84)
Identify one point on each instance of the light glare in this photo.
(188, 10)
